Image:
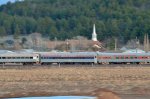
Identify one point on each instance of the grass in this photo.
(73, 79)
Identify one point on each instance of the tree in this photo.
(67, 18)
(17, 32)
(2, 32)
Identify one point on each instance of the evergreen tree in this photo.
(17, 32)
(67, 18)
(2, 32)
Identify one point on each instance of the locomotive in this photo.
(47, 58)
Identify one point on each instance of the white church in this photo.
(96, 43)
(94, 35)
(78, 44)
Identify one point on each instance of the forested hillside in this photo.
(125, 19)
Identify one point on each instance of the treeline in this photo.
(62, 19)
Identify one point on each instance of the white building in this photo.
(134, 51)
(94, 35)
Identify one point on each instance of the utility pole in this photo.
(115, 44)
(55, 43)
(67, 45)
(137, 44)
(147, 43)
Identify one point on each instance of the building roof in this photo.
(134, 51)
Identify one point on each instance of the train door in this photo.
(95, 59)
(36, 57)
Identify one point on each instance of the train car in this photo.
(23, 58)
(68, 57)
(123, 58)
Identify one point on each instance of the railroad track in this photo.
(19, 66)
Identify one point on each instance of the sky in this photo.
(5, 1)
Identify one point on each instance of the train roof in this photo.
(68, 53)
(17, 54)
(5, 51)
(100, 53)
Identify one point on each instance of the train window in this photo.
(0, 57)
(146, 57)
(42, 57)
(122, 57)
(135, 57)
(131, 57)
(139, 57)
(31, 57)
(117, 57)
(3, 57)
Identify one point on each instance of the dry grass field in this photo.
(74, 80)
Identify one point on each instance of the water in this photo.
(58, 97)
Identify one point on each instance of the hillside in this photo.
(125, 19)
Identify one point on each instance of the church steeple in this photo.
(94, 35)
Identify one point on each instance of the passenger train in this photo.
(47, 58)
